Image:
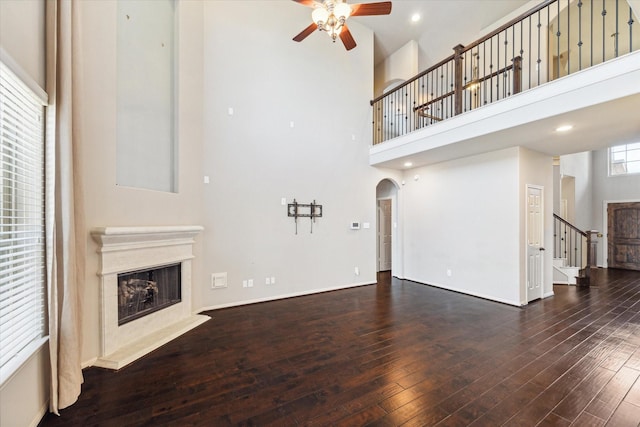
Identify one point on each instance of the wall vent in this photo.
(218, 280)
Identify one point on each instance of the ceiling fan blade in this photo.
(305, 33)
(310, 3)
(347, 38)
(380, 8)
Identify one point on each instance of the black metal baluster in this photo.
(604, 14)
(558, 41)
(630, 22)
(568, 37)
(441, 90)
(615, 52)
(505, 90)
(539, 60)
(491, 70)
(565, 242)
(548, 45)
(580, 35)
(591, 34)
(431, 106)
(405, 125)
(529, 50)
(574, 248)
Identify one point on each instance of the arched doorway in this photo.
(386, 224)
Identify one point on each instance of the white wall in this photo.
(579, 166)
(464, 216)
(536, 169)
(107, 204)
(22, 35)
(24, 396)
(400, 66)
(608, 189)
(256, 157)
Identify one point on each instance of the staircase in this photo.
(564, 274)
(574, 253)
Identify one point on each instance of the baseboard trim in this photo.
(40, 415)
(282, 296)
(88, 363)
(473, 294)
(548, 294)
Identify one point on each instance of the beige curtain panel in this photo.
(64, 222)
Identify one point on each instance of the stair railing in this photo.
(576, 246)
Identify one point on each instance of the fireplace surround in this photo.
(125, 250)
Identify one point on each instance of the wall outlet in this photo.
(244, 283)
(267, 281)
(250, 283)
(273, 280)
(449, 272)
(356, 271)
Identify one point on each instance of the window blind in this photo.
(22, 221)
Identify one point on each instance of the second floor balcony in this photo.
(561, 62)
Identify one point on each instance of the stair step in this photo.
(565, 275)
(559, 262)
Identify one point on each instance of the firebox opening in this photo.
(142, 292)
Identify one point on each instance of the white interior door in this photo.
(384, 235)
(535, 242)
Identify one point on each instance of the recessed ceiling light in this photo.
(415, 17)
(564, 128)
(408, 164)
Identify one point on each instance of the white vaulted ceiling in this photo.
(447, 22)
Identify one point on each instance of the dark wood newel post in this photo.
(517, 74)
(586, 278)
(457, 88)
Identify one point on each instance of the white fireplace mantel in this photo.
(127, 249)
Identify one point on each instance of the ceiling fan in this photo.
(331, 16)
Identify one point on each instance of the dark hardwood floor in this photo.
(396, 353)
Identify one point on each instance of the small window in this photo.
(624, 159)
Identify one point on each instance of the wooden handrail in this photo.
(433, 101)
(568, 224)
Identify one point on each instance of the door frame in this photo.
(605, 229)
(397, 267)
(526, 241)
(391, 220)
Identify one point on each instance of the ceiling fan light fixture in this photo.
(342, 11)
(331, 17)
(320, 15)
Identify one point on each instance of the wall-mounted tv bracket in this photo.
(301, 210)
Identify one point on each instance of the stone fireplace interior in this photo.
(144, 291)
